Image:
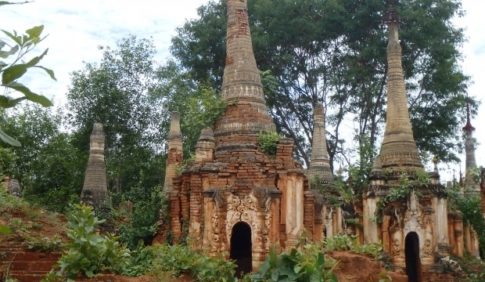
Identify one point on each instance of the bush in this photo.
(473, 268)
(9, 203)
(268, 142)
(143, 223)
(140, 261)
(307, 264)
(44, 244)
(88, 252)
(179, 260)
(350, 243)
(470, 207)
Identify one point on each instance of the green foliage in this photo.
(307, 264)
(338, 60)
(144, 220)
(140, 261)
(88, 252)
(351, 243)
(181, 260)
(202, 110)
(5, 230)
(470, 207)
(407, 185)
(13, 65)
(198, 104)
(10, 203)
(117, 92)
(268, 142)
(44, 244)
(473, 268)
(48, 165)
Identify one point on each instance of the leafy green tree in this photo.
(335, 52)
(116, 92)
(199, 104)
(143, 222)
(14, 64)
(48, 165)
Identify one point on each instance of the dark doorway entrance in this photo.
(413, 262)
(241, 248)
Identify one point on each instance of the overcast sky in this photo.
(77, 28)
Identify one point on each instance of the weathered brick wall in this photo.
(95, 188)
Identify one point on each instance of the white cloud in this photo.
(77, 28)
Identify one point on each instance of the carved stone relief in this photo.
(413, 218)
(245, 208)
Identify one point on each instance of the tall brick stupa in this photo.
(234, 199)
(413, 228)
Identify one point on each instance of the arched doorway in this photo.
(413, 262)
(241, 248)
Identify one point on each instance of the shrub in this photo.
(470, 207)
(44, 244)
(268, 142)
(143, 223)
(89, 252)
(473, 268)
(179, 260)
(350, 243)
(140, 261)
(8, 202)
(307, 264)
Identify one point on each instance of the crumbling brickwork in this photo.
(231, 179)
(95, 188)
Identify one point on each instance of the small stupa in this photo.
(95, 191)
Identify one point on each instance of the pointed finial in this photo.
(392, 16)
(435, 162)
(174, 132)
(468, 127)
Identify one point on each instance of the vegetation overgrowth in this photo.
(133, 95)
(268, 142)
(470, 206)
(29, 225)
(88, 252)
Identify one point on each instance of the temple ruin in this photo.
(419, 229)
(234, 192)
(233, 189)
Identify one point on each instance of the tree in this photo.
(199, 104)
(335, 52)
(13, 65)
(117, 93)
(48, 166)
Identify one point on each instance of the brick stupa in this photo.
(412, 228)
(328, 210)
(95, 191)
(234, 199)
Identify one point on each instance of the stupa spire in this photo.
(175, 151)
(242, 89)
(399, 148)
(320, 163)
(470, 162)
(95, 188)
